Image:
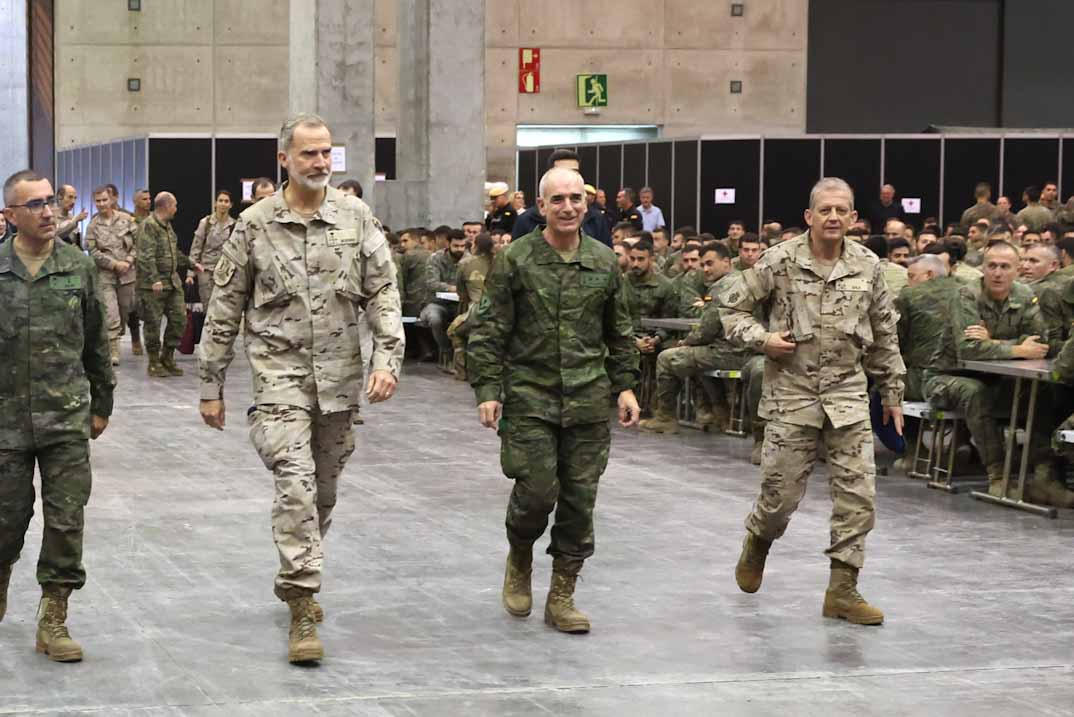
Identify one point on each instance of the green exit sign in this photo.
(592, 91)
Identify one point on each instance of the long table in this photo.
(670, 324)
(1034, 371)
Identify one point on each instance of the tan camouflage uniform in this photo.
(845, 329)
(300, 286)
(109, 242)
(208, 242)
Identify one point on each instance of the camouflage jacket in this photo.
(471, 277)
(1057, 309)
(301, 288)
(652, 297)
(845, 328)
(967, 275)
(924, 314)
(985, 210)
(1034, 216)
(110, 241)
(710, 330)
(55, 369)
(553, 339)
(691, 288)
(1063, 368)
(159, 258)
(441, 273)
(414, 264)
(895, 275)
(1009, 322)
(209, 240)
(68, 229)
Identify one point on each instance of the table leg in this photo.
(1031, 412)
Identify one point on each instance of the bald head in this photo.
(563, 178)
(562, 201)
(165, 206)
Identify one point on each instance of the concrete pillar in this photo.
(440, 149)
(14, 90)
(331, 73)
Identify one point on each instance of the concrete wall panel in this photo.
(173, 22)
(387, 29)
(501, 24)
(620, 24)
(251, 87)
(501, 85)
(387, 91)
(500, 149)
(251, 22)
(765, 25)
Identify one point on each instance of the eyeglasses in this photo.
(38, 205)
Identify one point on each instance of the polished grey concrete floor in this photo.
(178, 616)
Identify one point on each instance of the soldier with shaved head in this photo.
(160, 290)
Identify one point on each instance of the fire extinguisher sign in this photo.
(529, 70)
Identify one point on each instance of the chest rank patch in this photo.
(591, 280)
(341, 237)
(852, 284)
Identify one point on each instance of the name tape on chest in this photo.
(65, 282)
(852, 284)
(591, 280)
(342, 237)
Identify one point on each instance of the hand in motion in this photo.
(894, 413)
(780, 345)
(489, 413)
(381, 386)
(629, 411)
(977, 332)
(212, 412)
(1031, 348)
(97, 424)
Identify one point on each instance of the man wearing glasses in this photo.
(56, 386)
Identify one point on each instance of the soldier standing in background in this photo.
(297, 269)
(67, 224)
(553, 341)
(54, 369)
(831, 322)
(160, 291)
(213, 230)
(110, 240)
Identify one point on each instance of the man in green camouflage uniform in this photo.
(1063, 370)
(924, 307)
(1000, 320)
(471, 286)
(704, 349)
(297, 270)
(831, 322)
(56, 381)
(552, 342)
(160, 291)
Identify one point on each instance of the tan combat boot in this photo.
(1046, 489)
(303, 645)
(167, 362)
(661, 422)
(316, 610)
(113, 348)
(750, 569)
(716, 418)
(517, 593)
(843, 601)
(155, 369)
(995, 480)
(53, 639)
(136, 346)
(559, 610)
(5, 579)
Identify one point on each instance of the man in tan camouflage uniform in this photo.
(110, 239)
(298, 267)
(831, 322)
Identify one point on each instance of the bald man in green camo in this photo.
(551, 344)
(160, 263)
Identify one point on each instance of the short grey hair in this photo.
(830, 184)
(302, 119)
(545, 179)
(1053, 252)
(932, 263)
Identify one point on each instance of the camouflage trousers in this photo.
(205, 287)
(554, 468)
(1065, 450)
(982, 404)
(306, 451)
(683, 362)
(787, 462)
(152, 309)
(65, 490)
(118, 304)
(753, 376)
(459, 332)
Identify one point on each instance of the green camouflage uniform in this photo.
(980, 210)
(706, 349)
(441, 275)
(55, 372)
(413, 279)
(471, 287)
(1035, 217)
(981, 398)
(297, 286)
(652, 297)
(690, 288)
(924, 313)
(1063, 370)
(967, 275)
(672, 265)
(845, 329)
(159, 260)
(553, 341)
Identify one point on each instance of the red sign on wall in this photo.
(529, 70)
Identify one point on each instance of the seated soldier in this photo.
(1063, 370)
(750, 248)
(894, 275)
(704, 349)
(623, 257)
(690, 286)
(957, 266)
(653, 296)
(1001, 320)
(899, 252)
(623, 231)
(1040, 263)
(924, 311)
(471, 286)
